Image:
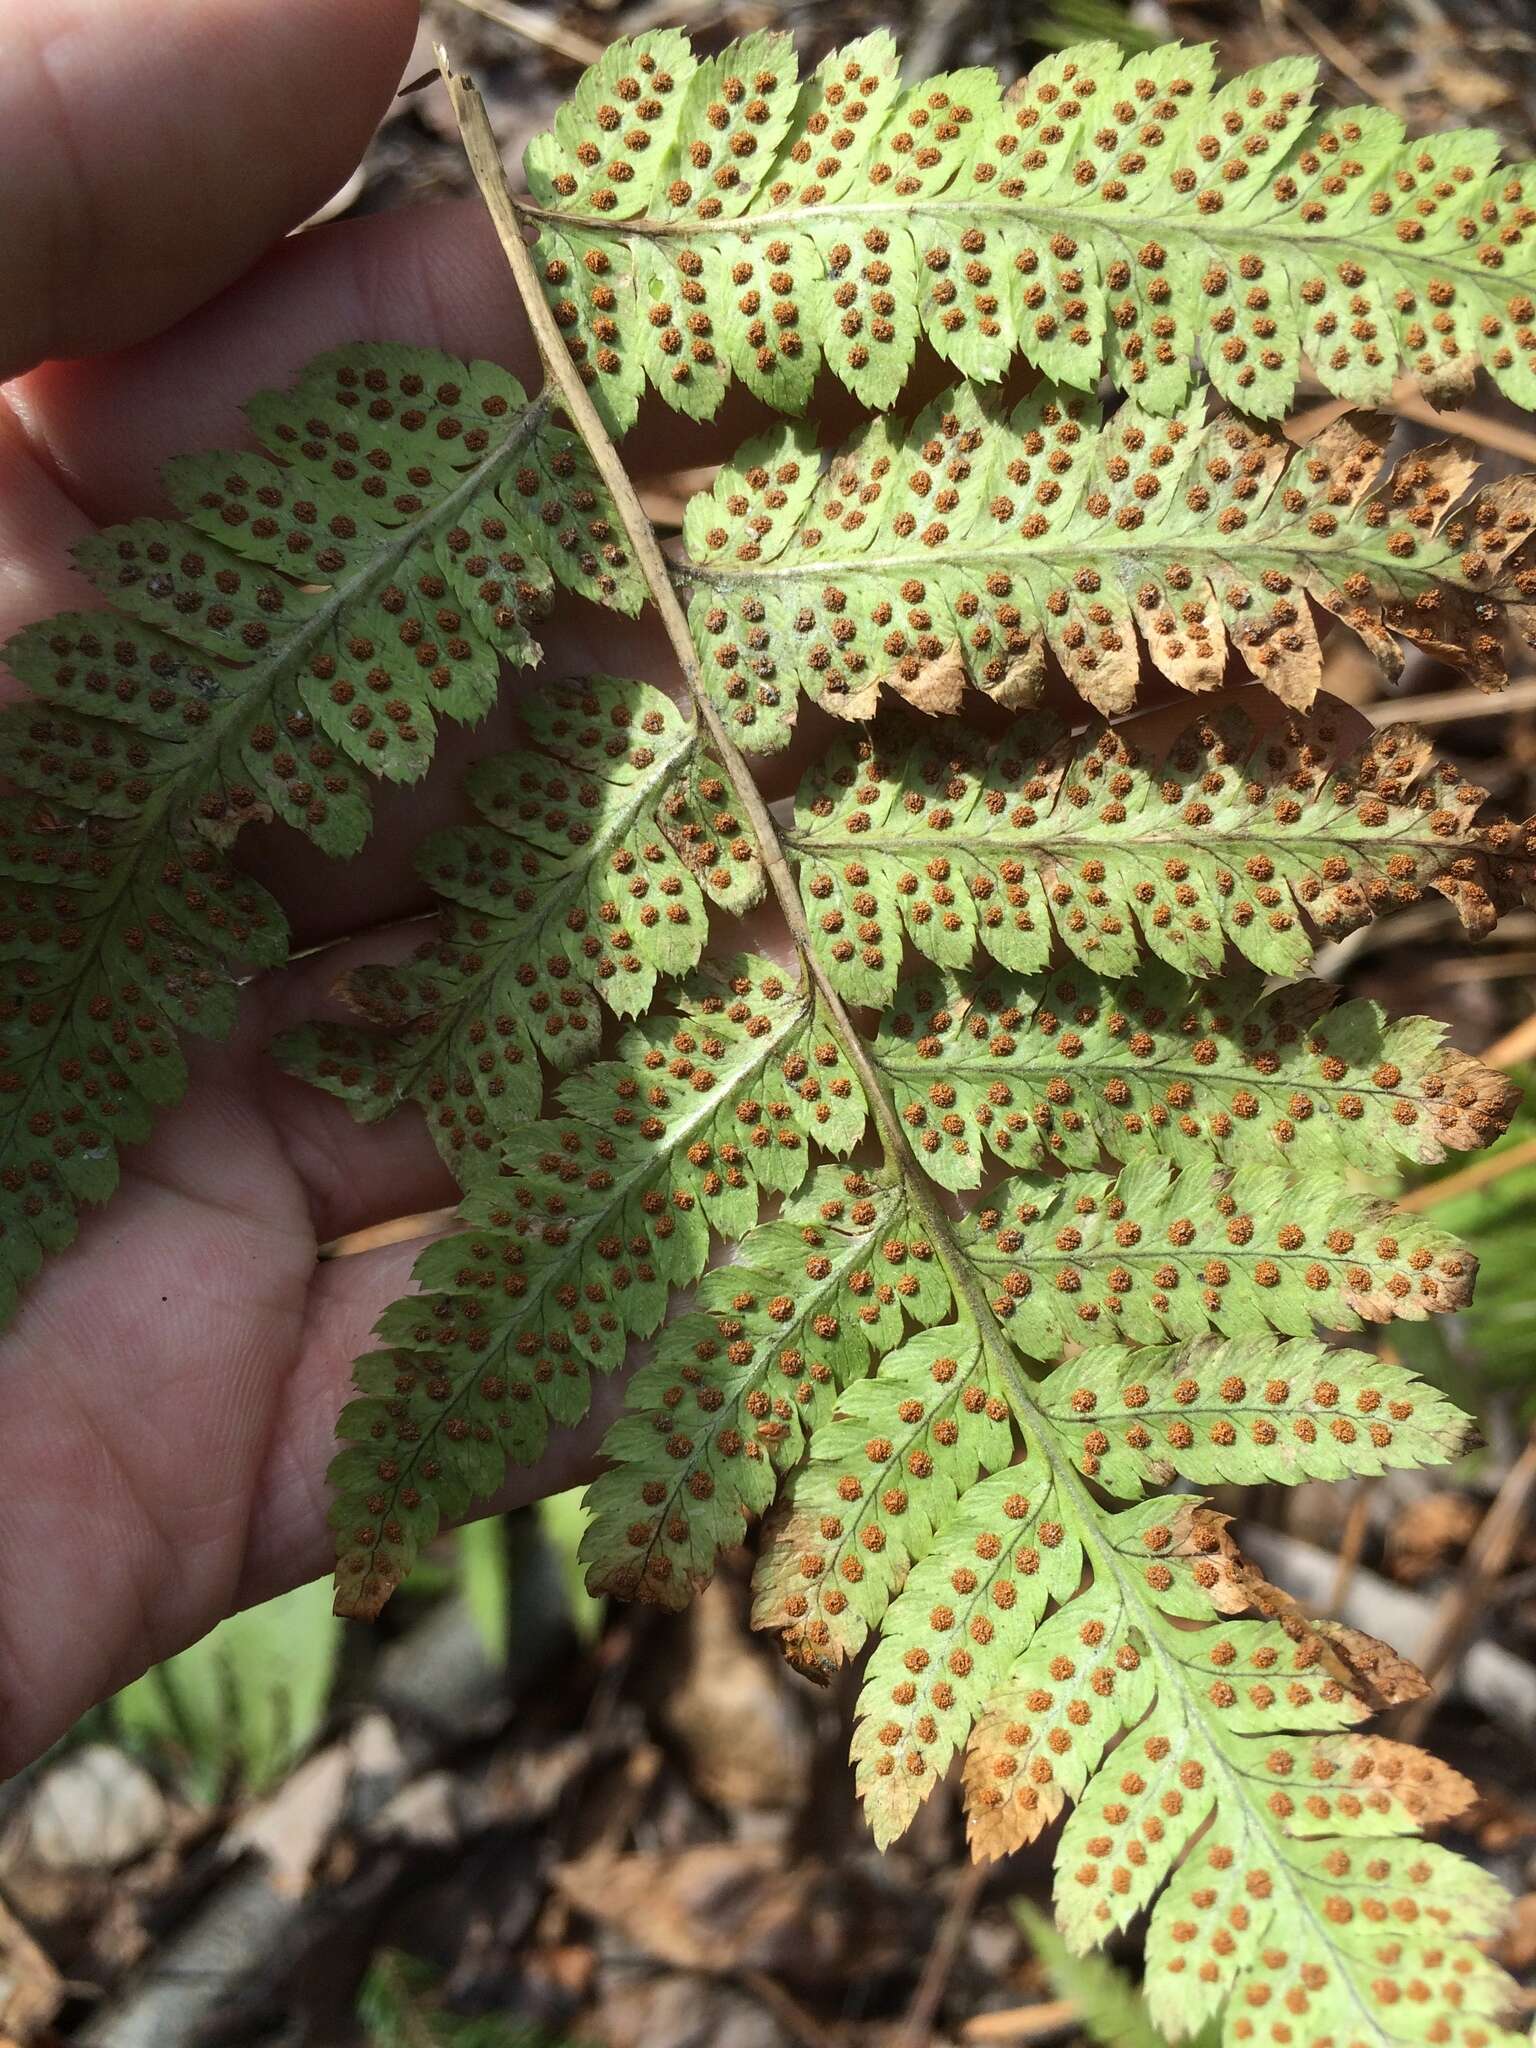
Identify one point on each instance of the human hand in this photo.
(170, 1384)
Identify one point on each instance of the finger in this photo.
(354, 1175)
(152, 155)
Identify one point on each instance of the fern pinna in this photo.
(701, 218)
(303, 626)
(968, 1435)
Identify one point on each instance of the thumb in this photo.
(153, 152)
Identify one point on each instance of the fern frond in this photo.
(1112, 211)
(311, 615)
(965, 545)
(1229, 834)
(1055, 1067)
(1156, 1254)
(588, 879)
(598, 1215)
(725, 1405)
(1301, 1892)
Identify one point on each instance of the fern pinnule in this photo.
(738, 1384)
(971, 542)
(1154, 1254)
(1233, 833)
(588, 880)
(703, 218)
(1240, 1412)
(883, 1479)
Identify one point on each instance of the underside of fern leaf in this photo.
(970, 1437)
(594, 1218)
(587, 880)
(1229, 835)
(1154, 1253)
(304, 625)
(1210, 1761)
(966, 545)
(1058, 1067)
(707, 217)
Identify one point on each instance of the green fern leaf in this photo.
(313, 614)
(734, 1389)
(598, 1215)
(1156, 1254)
(959, 1588)
(1228, 834)
(968, 543)
(588, 879)
(1274, 1835)
(1242, 1412)
(1113, 211)
(883, 1477)
(1057, 1066)
(1239, 1784)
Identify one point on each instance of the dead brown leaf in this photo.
(31, 1990)
(718, 1906)
(938, 688)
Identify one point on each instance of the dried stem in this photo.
(1481, 1173)
(536, 28)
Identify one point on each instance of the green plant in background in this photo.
(231, 1715)
(1109, 2007)
(504, 1559)
(1492, 1345)
(398, 2007)
(1079, 21)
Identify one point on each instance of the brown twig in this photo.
(374, 1236)
(1481, 1174)
(1445, 705)
(1409, 402)
(1457, 1617)
(1514, 1048)
(1022, 2023)
(791, 2015)
(1480, 427)
(1356, 1523)
(534, 28)
(1335, 51)
(917, 2024)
